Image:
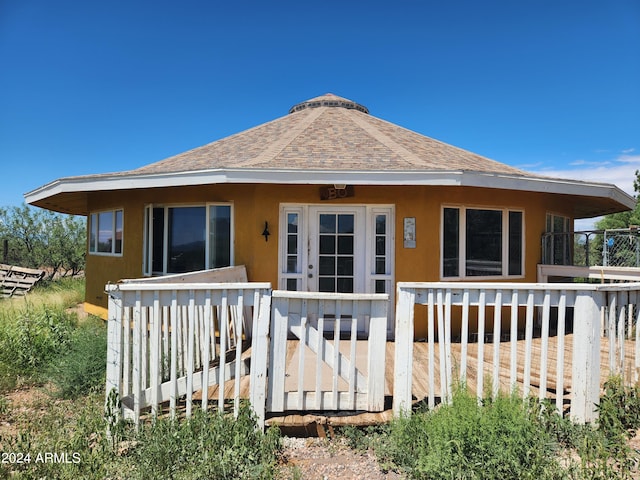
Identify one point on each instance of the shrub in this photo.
(82, 367)
(30, 338)
(210, 445)
(606, 453)
(35, 329)
(619, 409)
(500, 439)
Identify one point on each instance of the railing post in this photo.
(403, 366)
(114, 344)
(278, 353)
(377, 346)
(260, 356)
(585, 389)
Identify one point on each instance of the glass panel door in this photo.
(337, 250)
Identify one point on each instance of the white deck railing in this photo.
(332, 370)
(168, 340)
(594, 309)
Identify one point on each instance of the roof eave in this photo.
(107, 182)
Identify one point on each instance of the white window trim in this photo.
(567, 222)
(388, 276)
(567, 227)
(462, 243)
(147, 245)
(113, 229)
(303, 250)
(370, 213)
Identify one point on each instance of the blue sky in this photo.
(93, 87)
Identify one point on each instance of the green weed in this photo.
(82, 366)
(210, 445)
(500, 439)
(34, 330)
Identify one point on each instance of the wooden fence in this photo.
(167, 341)
(593, 313)
(310, 351)
(18, 280)
(171, 340)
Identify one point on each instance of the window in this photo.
(558, 243)
(293, 248)
(187, 238)
(382, 249)
(105, 232)
(482, 242)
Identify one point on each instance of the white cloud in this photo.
(619, 171)
(629, 159)
(580, 163)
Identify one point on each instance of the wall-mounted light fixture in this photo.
(265, 232)
(339, 186)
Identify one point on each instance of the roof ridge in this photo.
(386, 140)
(276, 147)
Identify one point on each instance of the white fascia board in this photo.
(326, 177)
(550, 185)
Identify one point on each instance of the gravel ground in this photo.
(322, 459)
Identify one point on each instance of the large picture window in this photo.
(181, 239)
(105, 232)
(482, 242)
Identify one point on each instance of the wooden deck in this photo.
(321, 421)
(161, 335)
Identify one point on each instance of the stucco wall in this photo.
(255, 204)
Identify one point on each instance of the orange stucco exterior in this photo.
(253, 204)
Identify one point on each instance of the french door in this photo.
(336, 248)
(337, 243)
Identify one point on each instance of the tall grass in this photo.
(501, 439)
(35, 329)
(41, 341)
(508, 438)
(63, 293)
(209, 445)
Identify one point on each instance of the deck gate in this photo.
(323, 366)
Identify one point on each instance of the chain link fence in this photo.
(613, 248)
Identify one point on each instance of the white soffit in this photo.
(321, 177)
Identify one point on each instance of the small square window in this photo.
(106, 232)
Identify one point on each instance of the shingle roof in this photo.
(329, 140)
(328, 133)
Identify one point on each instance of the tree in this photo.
(623, 219)
(621, 248)
(42, 239)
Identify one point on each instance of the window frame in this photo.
(147, 268)
(566, 243)
(92, 246)
(462, 243)
(303, 235)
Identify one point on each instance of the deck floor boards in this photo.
(420, 389)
